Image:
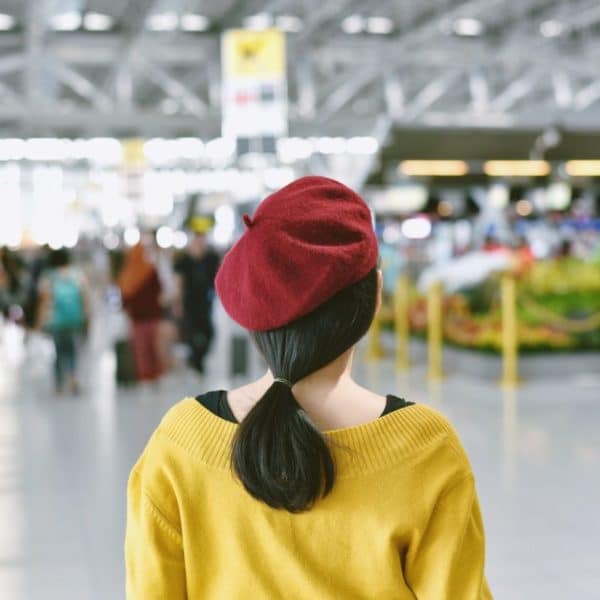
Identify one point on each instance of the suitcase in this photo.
(125, 370)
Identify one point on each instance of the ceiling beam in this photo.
(174, 89)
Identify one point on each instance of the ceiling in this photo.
(481, 64)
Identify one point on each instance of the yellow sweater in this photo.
(402, 520)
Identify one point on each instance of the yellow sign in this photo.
(250, 53)
(133, 152)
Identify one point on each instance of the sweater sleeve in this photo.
(448, 560)
(153, 549)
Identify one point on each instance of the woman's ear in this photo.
(379, 290)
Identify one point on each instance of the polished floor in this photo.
(64, 464)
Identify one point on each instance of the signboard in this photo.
(254, 88)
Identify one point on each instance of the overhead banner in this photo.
(254, 88)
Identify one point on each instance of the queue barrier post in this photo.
(510, 342)
(401, 323)
(435, 340)
(374, 348)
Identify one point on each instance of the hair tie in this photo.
(283, 380)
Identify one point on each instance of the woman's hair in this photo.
(59, 258)
(278, 454)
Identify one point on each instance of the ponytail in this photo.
(278, 454)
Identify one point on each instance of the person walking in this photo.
(195, 275)
(141, 293)
(64, 308)
(304, 484)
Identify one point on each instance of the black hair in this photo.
(278, 454)
(59, 258)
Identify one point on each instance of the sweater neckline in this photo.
(365, 447)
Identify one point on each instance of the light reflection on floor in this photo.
(64, 464)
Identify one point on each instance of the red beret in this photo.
(305, 243)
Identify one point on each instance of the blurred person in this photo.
(64, 312)
(491, 244)
(524, 255)
(37, 266)
(11, 282)
(167, 332)
(141, 292)
(304, 484)
(195, 271)
(565, 250)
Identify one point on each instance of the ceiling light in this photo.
(417, 228)
(362, 145)
(289, 23)
(445, 208)
(7, 22)
(551, 28)
(353, 24)
(162, 22)
(516, 168)
(380, 25)
(259, 21)
(524, 208)
(498, 196)
(94, 21)
(191, 22)
(583, 168)
(434, 168)
(69, 21)
(468, 27)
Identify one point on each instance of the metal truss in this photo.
(132, 81)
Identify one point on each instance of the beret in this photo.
(304, 244)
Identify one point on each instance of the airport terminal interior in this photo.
(135, 138)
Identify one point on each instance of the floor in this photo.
(64, 465)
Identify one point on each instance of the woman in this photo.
(141, 291)
(64, 310)
(304, 484)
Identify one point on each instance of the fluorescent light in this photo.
(551, 28)
(331, 145)
(289, 23)
(7, 22)
(380, 25)
(468, 27)
(362, 145)
(417, 228)
(353, 24)
(434, 168)
(47, 149)
(290, 150)
(69, 21)
(162, 22)
(583, 168)
(192, 22)
(516, 168)
(259, 21)
(94, 21)
(12, 149)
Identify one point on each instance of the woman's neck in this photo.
(329, 396)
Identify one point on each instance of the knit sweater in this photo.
(401, 522)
